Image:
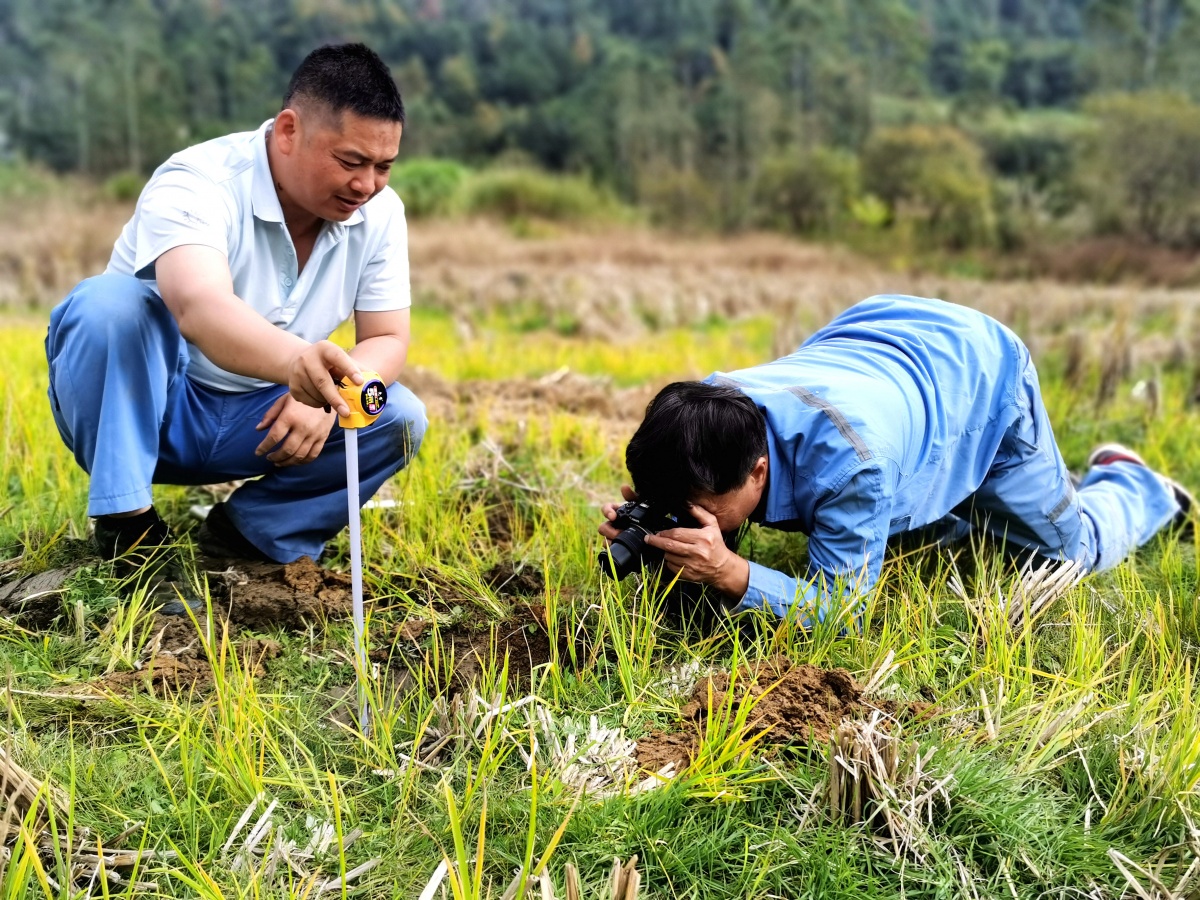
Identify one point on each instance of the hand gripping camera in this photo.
(629, 552)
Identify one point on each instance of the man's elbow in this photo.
(181, 309)
(190, 319)
(390, 351)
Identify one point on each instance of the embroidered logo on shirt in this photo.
(193, 218)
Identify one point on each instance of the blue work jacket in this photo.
(884, 420)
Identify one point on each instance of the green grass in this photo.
(530, 344)
(1056, 745)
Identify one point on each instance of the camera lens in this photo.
(622, 555)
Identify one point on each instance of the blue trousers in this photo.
(1029, 500)
(123, 403)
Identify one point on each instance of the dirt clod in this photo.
(248, 596)
(508, 580)
(793, 703)
(175, 660)
(523, 638)
(667, 748)
(291, 596)
(411, 630)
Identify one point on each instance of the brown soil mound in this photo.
(248, 596)
(793, 703)
(666, 748)
(253, 595)
(174, 660)
(523, 640)
(263, 595)
(508, 580)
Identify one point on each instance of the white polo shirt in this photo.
(220, 194)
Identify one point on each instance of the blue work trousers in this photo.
(1029, 499)
(125, 407)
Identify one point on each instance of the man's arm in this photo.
(381, 342)
(196, 285)
(845, 553)
(296, 434)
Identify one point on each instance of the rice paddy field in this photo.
(538, 731)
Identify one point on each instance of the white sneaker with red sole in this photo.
(1107, 454)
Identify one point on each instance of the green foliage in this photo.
(935, 178)
(1143, 167)
(870, 212)
(124, 186)
(20, 181)
(807, 192)
(680, 199)
(1035, 150)
(692, 111)
(984, 66)
(428, 187)
(1034, 157)
(530, 194)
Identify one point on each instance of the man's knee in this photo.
(402, 423)
(112, 307)
(1075, 540)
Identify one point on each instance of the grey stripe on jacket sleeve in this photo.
(845, 429)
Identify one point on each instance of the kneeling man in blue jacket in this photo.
(900, 413)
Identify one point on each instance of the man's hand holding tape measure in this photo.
(315, 371)
(299, 422)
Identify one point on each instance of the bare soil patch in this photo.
(792, 703)
(433, 588)
(177, 661)
(508, 580)
(258, 595)
(470, 651)
(663, 748)
(263, 595)
(246, 596)
(523, 639)
(504, 524)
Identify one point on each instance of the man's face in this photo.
(732, 508)
(338, 162)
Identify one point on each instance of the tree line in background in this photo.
(953, 123)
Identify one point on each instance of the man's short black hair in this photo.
(347, 77)
(695, 438)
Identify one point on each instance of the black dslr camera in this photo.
(629, 552)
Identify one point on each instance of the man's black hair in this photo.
(695, 438)
(347, 77)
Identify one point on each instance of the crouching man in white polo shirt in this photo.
(200, 355)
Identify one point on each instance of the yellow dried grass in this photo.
(21, 793)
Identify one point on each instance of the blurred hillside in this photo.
(982, 130)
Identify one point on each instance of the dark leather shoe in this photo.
(144, 551)
(219, 538)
